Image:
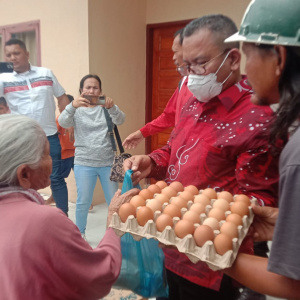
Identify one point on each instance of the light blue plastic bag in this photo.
(127, 183)
(142, 268)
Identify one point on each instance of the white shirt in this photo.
(32, 94)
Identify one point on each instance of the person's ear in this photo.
(281, 60)
(235, 59)
(24, 175)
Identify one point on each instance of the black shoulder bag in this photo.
(117, 172)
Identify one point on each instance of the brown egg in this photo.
(154, 188)
(217, 213)
(235, 218)
(146, 194)
(143, 215)
(210, 193)
(202, 234)
(242, 198)
(162, 198)
(198, 208)
(169, 191)
(225, 195)
(193, 189)
(239, 208)
(203, 199)
(222, 243)
(154, 204)
(126, 210)
(172, 210)
(230, 229)
(137, 201)
(180, 202)
(187, 196)
(221, 204)
(212, 222)
(163, 221)
(192, 216)
(176, 185)
(161, 184)
(183, 228)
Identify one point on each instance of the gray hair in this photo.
(22, 141)
(221, 26)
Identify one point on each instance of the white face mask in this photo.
(206, 87)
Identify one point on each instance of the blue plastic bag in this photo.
(142, 268)
(127, 183)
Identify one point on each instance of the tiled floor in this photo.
(96, 225)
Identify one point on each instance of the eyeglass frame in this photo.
(190, 67)
(182, 70)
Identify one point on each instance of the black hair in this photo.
(289, 89)
(216, 23)
(3, 101)
(70, 97)
(180, 33)
(83, 79)
(16, 42)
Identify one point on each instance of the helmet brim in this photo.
(235, 38)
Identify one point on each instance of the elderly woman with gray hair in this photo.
(39, 261)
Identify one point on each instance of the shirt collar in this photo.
(31, 69)
(232, 95)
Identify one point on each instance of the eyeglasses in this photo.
(182, 70)
(199, 69)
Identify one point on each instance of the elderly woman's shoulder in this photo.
(50, 223)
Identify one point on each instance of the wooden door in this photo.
(162, 77)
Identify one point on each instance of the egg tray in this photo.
(186, 245)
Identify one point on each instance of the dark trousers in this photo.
(58, 184)
(182, 289)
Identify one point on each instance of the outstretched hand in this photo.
(133, 140)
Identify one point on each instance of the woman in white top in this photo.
(93, 149)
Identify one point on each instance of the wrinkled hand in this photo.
(118, 200)
(141, 166)
(133, 140)
(263, 224)
(70, 130)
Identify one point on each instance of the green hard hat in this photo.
(274, 22)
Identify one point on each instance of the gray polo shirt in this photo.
(285, 251)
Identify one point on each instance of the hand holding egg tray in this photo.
(215, 253)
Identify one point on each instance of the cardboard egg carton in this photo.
(186, 245)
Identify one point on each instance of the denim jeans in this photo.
(86, 178)
(67, 165)
(58, 184)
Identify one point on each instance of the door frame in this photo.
(149, 64)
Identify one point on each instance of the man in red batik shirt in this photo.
(169, 116)
(220, 141)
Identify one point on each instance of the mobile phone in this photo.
(95, 100)
(6, 67)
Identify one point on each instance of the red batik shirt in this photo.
(222, 144)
